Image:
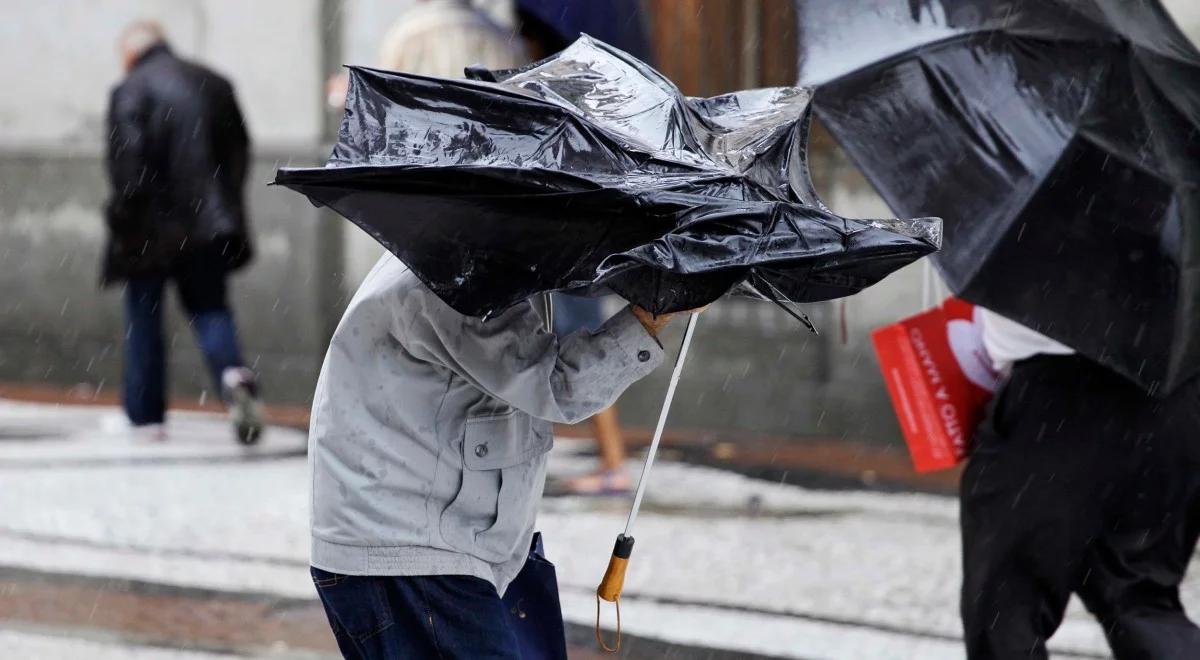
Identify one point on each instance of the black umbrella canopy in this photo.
(1060, 139)
(590, 171)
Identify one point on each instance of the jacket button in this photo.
(481, 450)
(643, 356)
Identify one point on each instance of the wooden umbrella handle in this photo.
(611, 585)
(614, 577)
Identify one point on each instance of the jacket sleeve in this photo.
(126, 158)
(513, 359)
(239, 148)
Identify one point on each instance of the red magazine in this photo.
(940, 379)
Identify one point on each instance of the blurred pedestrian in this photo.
(442, 37)
(577, 314)
(428, 450)
(177, 159)
(432, 38)
(439, 38)
(1078, 482)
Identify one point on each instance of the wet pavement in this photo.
(194, 548)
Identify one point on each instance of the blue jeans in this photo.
(202, 291)
(435, 616)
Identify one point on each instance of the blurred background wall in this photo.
(56, 325)
(753, 370)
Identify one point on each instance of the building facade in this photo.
(752, 370)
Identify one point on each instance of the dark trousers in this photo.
(202, 291)
(437, 616)
(1079, 483)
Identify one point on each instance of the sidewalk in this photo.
(197, 548)
(825, 462)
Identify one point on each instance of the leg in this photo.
(467, 617)
(362, 621)
(611, 478)
(1028, 511)
(1137, 566)
(574, 314)
(346, 644)
(443, 616)
(608, 437)
(145, 361)
(202, 289)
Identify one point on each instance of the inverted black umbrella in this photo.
(589, 170)
(1060, 139)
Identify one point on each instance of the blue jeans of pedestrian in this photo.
(435, 616)
(202, 290)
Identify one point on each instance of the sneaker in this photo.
(245, 410)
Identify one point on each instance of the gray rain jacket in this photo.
(430, 428)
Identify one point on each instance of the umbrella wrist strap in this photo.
(616, 648)
(610, 587)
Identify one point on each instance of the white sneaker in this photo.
(245, 410)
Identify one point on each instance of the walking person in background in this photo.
(577, 314)
(177, 158)
(432, 38)
(1078, 482)
(443, 37)
(440, 38)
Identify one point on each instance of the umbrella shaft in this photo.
(662, 423)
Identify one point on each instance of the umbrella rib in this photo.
(774, 296)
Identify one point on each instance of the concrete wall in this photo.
(753, 368)
(55, 324)
(65, 61)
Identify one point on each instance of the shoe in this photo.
(245, 410)
(148, 433)
(597, 484)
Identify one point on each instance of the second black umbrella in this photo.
(1060, 139)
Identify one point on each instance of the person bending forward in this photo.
(428, 453)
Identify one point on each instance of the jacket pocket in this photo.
(503, 457)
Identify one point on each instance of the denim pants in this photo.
(202, 291)
(434, 616)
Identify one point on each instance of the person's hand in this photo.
(654, 323)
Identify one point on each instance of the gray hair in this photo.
(140, 36)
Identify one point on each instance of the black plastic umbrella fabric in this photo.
(1060, 140)
(589, 170)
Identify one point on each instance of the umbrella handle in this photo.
(614, 576)
(611, 585)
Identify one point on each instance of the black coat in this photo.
(177, 158)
